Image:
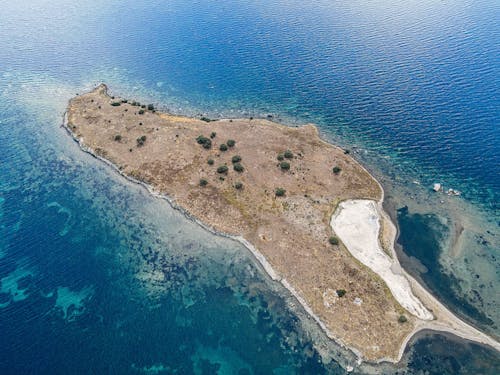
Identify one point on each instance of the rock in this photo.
(437, 187)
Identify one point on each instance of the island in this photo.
(308, 211)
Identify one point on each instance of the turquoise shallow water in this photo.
(98, 276)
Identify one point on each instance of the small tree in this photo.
(288, 154)
(206, 119)
(203, 182)
(236, 159)
(231, 142)
(238, 186)
(118, 138)
(280, 192)
(204, 141)
(402, 319)
(116, 104)
(333, 240)
(341, 292)
(151, 107)
(223, 147)
(141, 140)
(213, 134)
(336, 170)
(281, 157)
(238, 167)
(210, 161)
(222, 169)
(285, 166)
(141, 111)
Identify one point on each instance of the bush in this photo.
(238, 186)
(238, 167)
(206, 119)
(281, 157)
(223, 147)
(116, 104)
(336, 170)
(118, 138)
(231, 142)
(124, 100)
(141, 111)
(341, 292)
(402, 319)
(203, 182)
(210, 161)
(347, 152)
(284, 165)
(288, 154)
(151, 107)
(222, 169)
(280, 192)
(213, 134)
(236, 159)
(333, 240)
(143, 106)
(204, 141)
(141, 140)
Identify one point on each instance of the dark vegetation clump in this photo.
(288, 154)
(222, 169)
(213, 134)
(141, 111)
(336, 170)
(281, 157)
(347, 152)
(124, 100)
(402, 319)
(236, 159)
(280, 192)
(116, 104)
(238, 167)
(333, 240)
(141, 140)
(143, 106)
(204, 141)
(341, 292)
(285, 166)
(231, 142)
(151, 107)
(118, 138)
(238, 186)
(203, 182)
(210, 161)
(206, 119)
(223, 147)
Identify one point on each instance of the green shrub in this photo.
(141, 111)
(124, 100)
(151, 107)
(280, 192)
(143, 106)
(402, 319)
(206, 119)
(204, 141)
(336, 170)
(284, 165)
(210, 161)
(238, 186)
(333, 240)
(347, 152)
(238, 167)
(236, 159)
(141, 140)
(288, 154)
(341, 292)
(231, 142)
(118, 138)
(222, 169)
(116, 104)
(213, 134)
(203, 182)
(223, 147)
(281, 157)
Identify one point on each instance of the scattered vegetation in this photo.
(288, 154)
(238, 167)
(210, 161)
(204, 141)
(285, 166)
(280, 192)
(116, 104)
(141, 140)
(238, 186)
(118, 138)
(281, 157)
(124, 100)
(236, 159)
(223, 147)
(231, 142)
(336, 170)
(341, 292)
(347, 152)
(203, 182)
(333, 240)
(213, 134)
(151, 107)
(222, 169)
(141, 111)
(402, 319)
(206, 119)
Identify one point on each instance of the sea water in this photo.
(99, 276)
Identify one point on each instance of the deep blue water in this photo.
(99, 277)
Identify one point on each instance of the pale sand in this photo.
(357, 223)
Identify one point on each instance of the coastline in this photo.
(416, 287)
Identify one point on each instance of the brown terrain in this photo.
(292, 231)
